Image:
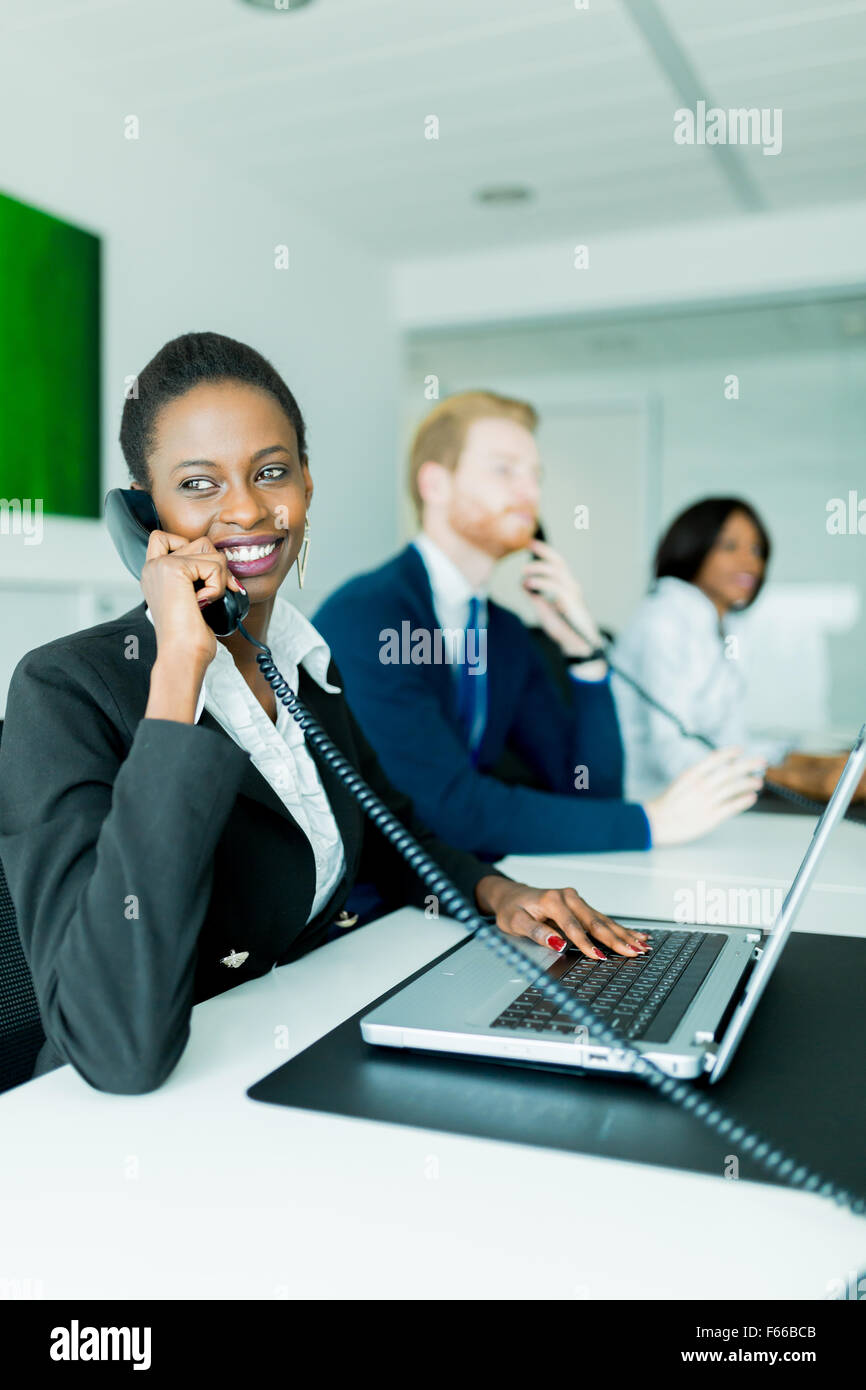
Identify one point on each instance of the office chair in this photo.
(21, 1034)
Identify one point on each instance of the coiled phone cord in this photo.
(452, 901)
(806, 803)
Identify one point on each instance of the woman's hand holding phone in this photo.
(185, 645)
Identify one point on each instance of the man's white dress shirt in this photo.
(452, 591)
(450, 588)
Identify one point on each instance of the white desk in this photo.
(752, 851)
(197, 1192)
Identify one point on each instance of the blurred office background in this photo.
(387, 198)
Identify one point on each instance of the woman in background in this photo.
(710, 564)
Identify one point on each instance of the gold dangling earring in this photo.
(303, 552)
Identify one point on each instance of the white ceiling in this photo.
(328, 104)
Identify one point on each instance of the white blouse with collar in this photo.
(676, 648)
(279, 751)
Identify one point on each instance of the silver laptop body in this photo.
(452, 1006)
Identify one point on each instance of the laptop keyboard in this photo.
(639, 996)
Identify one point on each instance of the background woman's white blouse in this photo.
(675, 647)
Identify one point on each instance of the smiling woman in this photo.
(193, 438)
(682, 645)
(180, 838)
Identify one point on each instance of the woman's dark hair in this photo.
(692, 535)
(186, 362)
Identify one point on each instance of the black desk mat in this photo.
(770, 803)
(796, 1079)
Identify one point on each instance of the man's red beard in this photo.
(496, 533)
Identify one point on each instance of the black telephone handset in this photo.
(131, 516)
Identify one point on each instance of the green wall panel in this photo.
(49, 361)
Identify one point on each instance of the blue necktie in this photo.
(472, 684)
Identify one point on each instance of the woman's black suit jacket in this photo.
(139, 852)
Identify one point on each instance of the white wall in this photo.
(187, 248)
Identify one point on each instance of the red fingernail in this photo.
(556, 943)
(241, 587)
(203, 602)
(598, 953)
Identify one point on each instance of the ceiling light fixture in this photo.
(277, 6)
(504, 193)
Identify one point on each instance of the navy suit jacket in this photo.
(408, 712)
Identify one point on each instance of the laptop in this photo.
(685, 1005)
